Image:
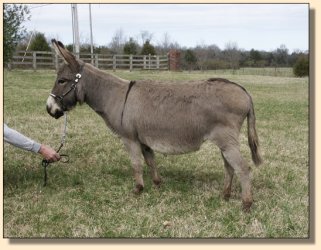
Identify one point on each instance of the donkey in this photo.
(162, 117)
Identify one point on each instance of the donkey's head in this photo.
(65, 93)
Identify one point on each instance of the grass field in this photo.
(91, 196)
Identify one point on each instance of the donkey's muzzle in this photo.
(53, 108)
(56, 115)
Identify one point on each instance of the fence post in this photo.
(114, 62)
(34, 60)
(130, 62)
(56, 62)
(144, 63)
(96, 61)
(149, 61)
(157, 62)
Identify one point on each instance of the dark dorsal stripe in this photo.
(131, 84)
(226, 81)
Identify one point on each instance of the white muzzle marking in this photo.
(52, 105)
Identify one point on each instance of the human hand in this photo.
(48, 153)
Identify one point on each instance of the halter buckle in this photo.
(78, 76)
(56, 96)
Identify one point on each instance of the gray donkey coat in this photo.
(165, 117)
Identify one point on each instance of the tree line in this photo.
(199, 57)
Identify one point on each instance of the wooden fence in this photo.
(45, 60)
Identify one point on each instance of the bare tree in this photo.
(201, 53)
(117, 41)
(232, 55)
(281, 56)
(146, 36)
(165, 42)
(175, 45)
(206, 54)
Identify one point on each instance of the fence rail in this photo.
(41, 59)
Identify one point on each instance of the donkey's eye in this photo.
(61, 81)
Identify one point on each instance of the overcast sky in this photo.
(258, 26)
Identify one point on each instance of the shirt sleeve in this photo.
(19, 140)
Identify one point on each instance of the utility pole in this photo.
(91, 37)
(75, 28)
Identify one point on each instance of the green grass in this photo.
(91, 196)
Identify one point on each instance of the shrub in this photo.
(301, 67)
(130, 48)
(190, 58)
(148, 49)
(39, 43)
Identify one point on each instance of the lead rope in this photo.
(64, 158)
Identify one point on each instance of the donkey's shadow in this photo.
(173, 179)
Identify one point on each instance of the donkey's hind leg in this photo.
(149, 156)
(135, 153)
(234, 158)
(229, 173)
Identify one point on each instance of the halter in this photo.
(64, 157)
(72, 87)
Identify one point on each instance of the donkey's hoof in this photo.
(247, 206)
(138, 189)
(227, 197)
(157, 183)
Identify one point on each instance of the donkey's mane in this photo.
(105, 75)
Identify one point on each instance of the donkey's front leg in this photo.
(135, 153)
(149, 157)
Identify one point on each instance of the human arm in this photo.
(21, 141)
(48, 153)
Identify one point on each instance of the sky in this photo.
(258, 26)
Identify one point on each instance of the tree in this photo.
(295, 55)
(201, 52)
(24, 41)
(69, 47)
(190, 58)
(13, 17)
(39, 43)
(281, 56)
(102, 50)
(146, 36)
(207, 56)
(130, 48)
(164, 44)
(255, 56)
(301, 67)
(148, 49)
(232, 55)
(117, 41)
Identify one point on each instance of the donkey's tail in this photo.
(252, 137)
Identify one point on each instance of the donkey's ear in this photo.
(65, 54)
(59, 47)
(61, 44)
